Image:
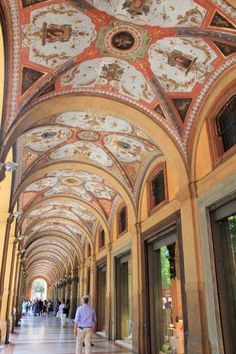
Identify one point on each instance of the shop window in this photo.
(157, 187)
(122, 220)
(124, 298)
(226, 124)
(164, 300)
(101, 239)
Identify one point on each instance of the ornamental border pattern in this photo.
(15, 60)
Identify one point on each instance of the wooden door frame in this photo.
(160, 229)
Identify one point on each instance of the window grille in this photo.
(226, 124)
(158, 188)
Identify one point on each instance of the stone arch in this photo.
(111, 180)
(222, 89)
(64, 237)
(88, 206)
(169, 145)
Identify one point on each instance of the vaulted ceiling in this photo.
(86, 83)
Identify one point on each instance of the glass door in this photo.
(165, 297)
(124, 298)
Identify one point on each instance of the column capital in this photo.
(109, 246)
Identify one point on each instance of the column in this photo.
(63, 289)
(9, 306)
(73, 298)
(136, 282)
(15, 292)
(82, 280)
(108, 307)
(93, 281)
(68, 288)
(5, 276)
(196, 335)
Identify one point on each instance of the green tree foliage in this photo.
(38, 287)
(165, 268)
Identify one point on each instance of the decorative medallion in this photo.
(89, 136)
(71, 181)
(123, 40)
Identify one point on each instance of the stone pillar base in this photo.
(3, 331)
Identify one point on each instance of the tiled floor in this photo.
(42, 335)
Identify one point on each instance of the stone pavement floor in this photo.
(44, 335)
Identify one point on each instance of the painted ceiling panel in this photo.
(57, 33)
(92, 136)
(83, 185)
(162, 13)
(180, 63)
(117, 74)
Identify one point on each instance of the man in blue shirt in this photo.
(84, 324)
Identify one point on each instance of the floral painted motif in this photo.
(162, 13)
(57, 33)
(84, 185)
(79, 149)
(41, 184)
(43, 138)
(126, 149)
(179, 63)
(116, 73)
(94, 121)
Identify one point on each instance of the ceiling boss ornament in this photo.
(123, 40)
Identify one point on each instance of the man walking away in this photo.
(62, 314)
(84, 324)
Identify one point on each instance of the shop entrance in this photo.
(166, 324)
(223, 219)
(124, 298)
(101, 297)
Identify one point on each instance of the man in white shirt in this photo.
(62, 314)
(84, 324)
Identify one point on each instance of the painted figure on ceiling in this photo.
(123, 40)
(112, 72)
(177, 58)
(137, 7)
(51, 33)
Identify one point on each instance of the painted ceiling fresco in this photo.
(98, 137)
(82, 185)
(146, 52)
(70, 210)
(55, 225)
(161, 57)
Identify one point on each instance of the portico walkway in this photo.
(42, 335)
